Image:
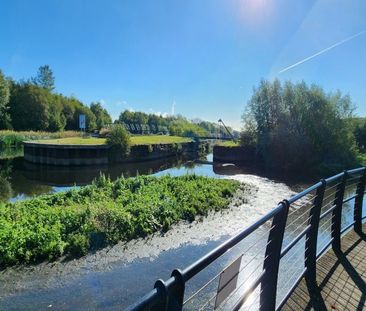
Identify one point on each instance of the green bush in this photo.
(69, 223)
(119, 139)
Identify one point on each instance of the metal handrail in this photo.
(169, 294)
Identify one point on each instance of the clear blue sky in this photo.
(205, 54)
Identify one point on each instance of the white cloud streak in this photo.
(321, 52)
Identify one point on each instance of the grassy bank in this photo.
(135, 140)
(73, 222)
(14, 138)
(228, 143)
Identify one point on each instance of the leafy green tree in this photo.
(29, 107)
(72, 109)
(300, 127)
(45, 78)
(5, 121)
(101, 114)
(57, 120)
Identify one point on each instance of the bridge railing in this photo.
(259, 267)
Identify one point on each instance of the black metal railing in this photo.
(260, 266)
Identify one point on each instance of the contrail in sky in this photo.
(322, 51)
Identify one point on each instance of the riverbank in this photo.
(75, 222)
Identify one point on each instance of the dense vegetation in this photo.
(105, 212)
(120, 141)
(359, 130)
(175, 125)
(12, 138)
(33, 105)
(300, 128)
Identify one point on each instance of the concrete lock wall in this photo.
(69, 155)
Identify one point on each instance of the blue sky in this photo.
(206, 55)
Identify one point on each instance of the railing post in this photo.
(176, 295)
(337, 213)
(359, 202)
(172, 295)
(162, 305)
(272, 259)
(312, 235)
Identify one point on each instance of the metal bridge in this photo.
(307, 253)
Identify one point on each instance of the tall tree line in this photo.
(33, 105)
(299, 127)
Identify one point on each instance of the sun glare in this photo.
(256, 12)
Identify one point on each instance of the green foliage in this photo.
(101, 114)
(177, 125)
(120, 141)
(45, 78)
(184, 128)
(13, 138)
(33, 106)
(300, 127)
(359, 130)
(29, 107)
(5, 189)
(5, 121)
(68, 223)
(72, 109)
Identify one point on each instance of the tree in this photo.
(45, 78)
(5, 121)
(300, 127)
(101, 114)
(29, 107)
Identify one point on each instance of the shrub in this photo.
(119, 140)
(73, 222)
(78, 245)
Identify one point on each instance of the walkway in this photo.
(341, 278)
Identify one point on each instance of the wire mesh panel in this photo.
(209, 290)
(291, 268)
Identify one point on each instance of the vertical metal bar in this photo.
(312, 235)
(359, 202)
(176, 295)
(162, 305)
(337, 212)
(272, 259)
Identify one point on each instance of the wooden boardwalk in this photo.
(341, 279)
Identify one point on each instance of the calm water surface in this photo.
(28, 180)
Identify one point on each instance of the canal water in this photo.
(26, 180)
(115, 277)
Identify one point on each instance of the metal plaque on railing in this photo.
(228, 281)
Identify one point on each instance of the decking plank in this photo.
(341, 279)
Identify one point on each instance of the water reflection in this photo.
(20, 179)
